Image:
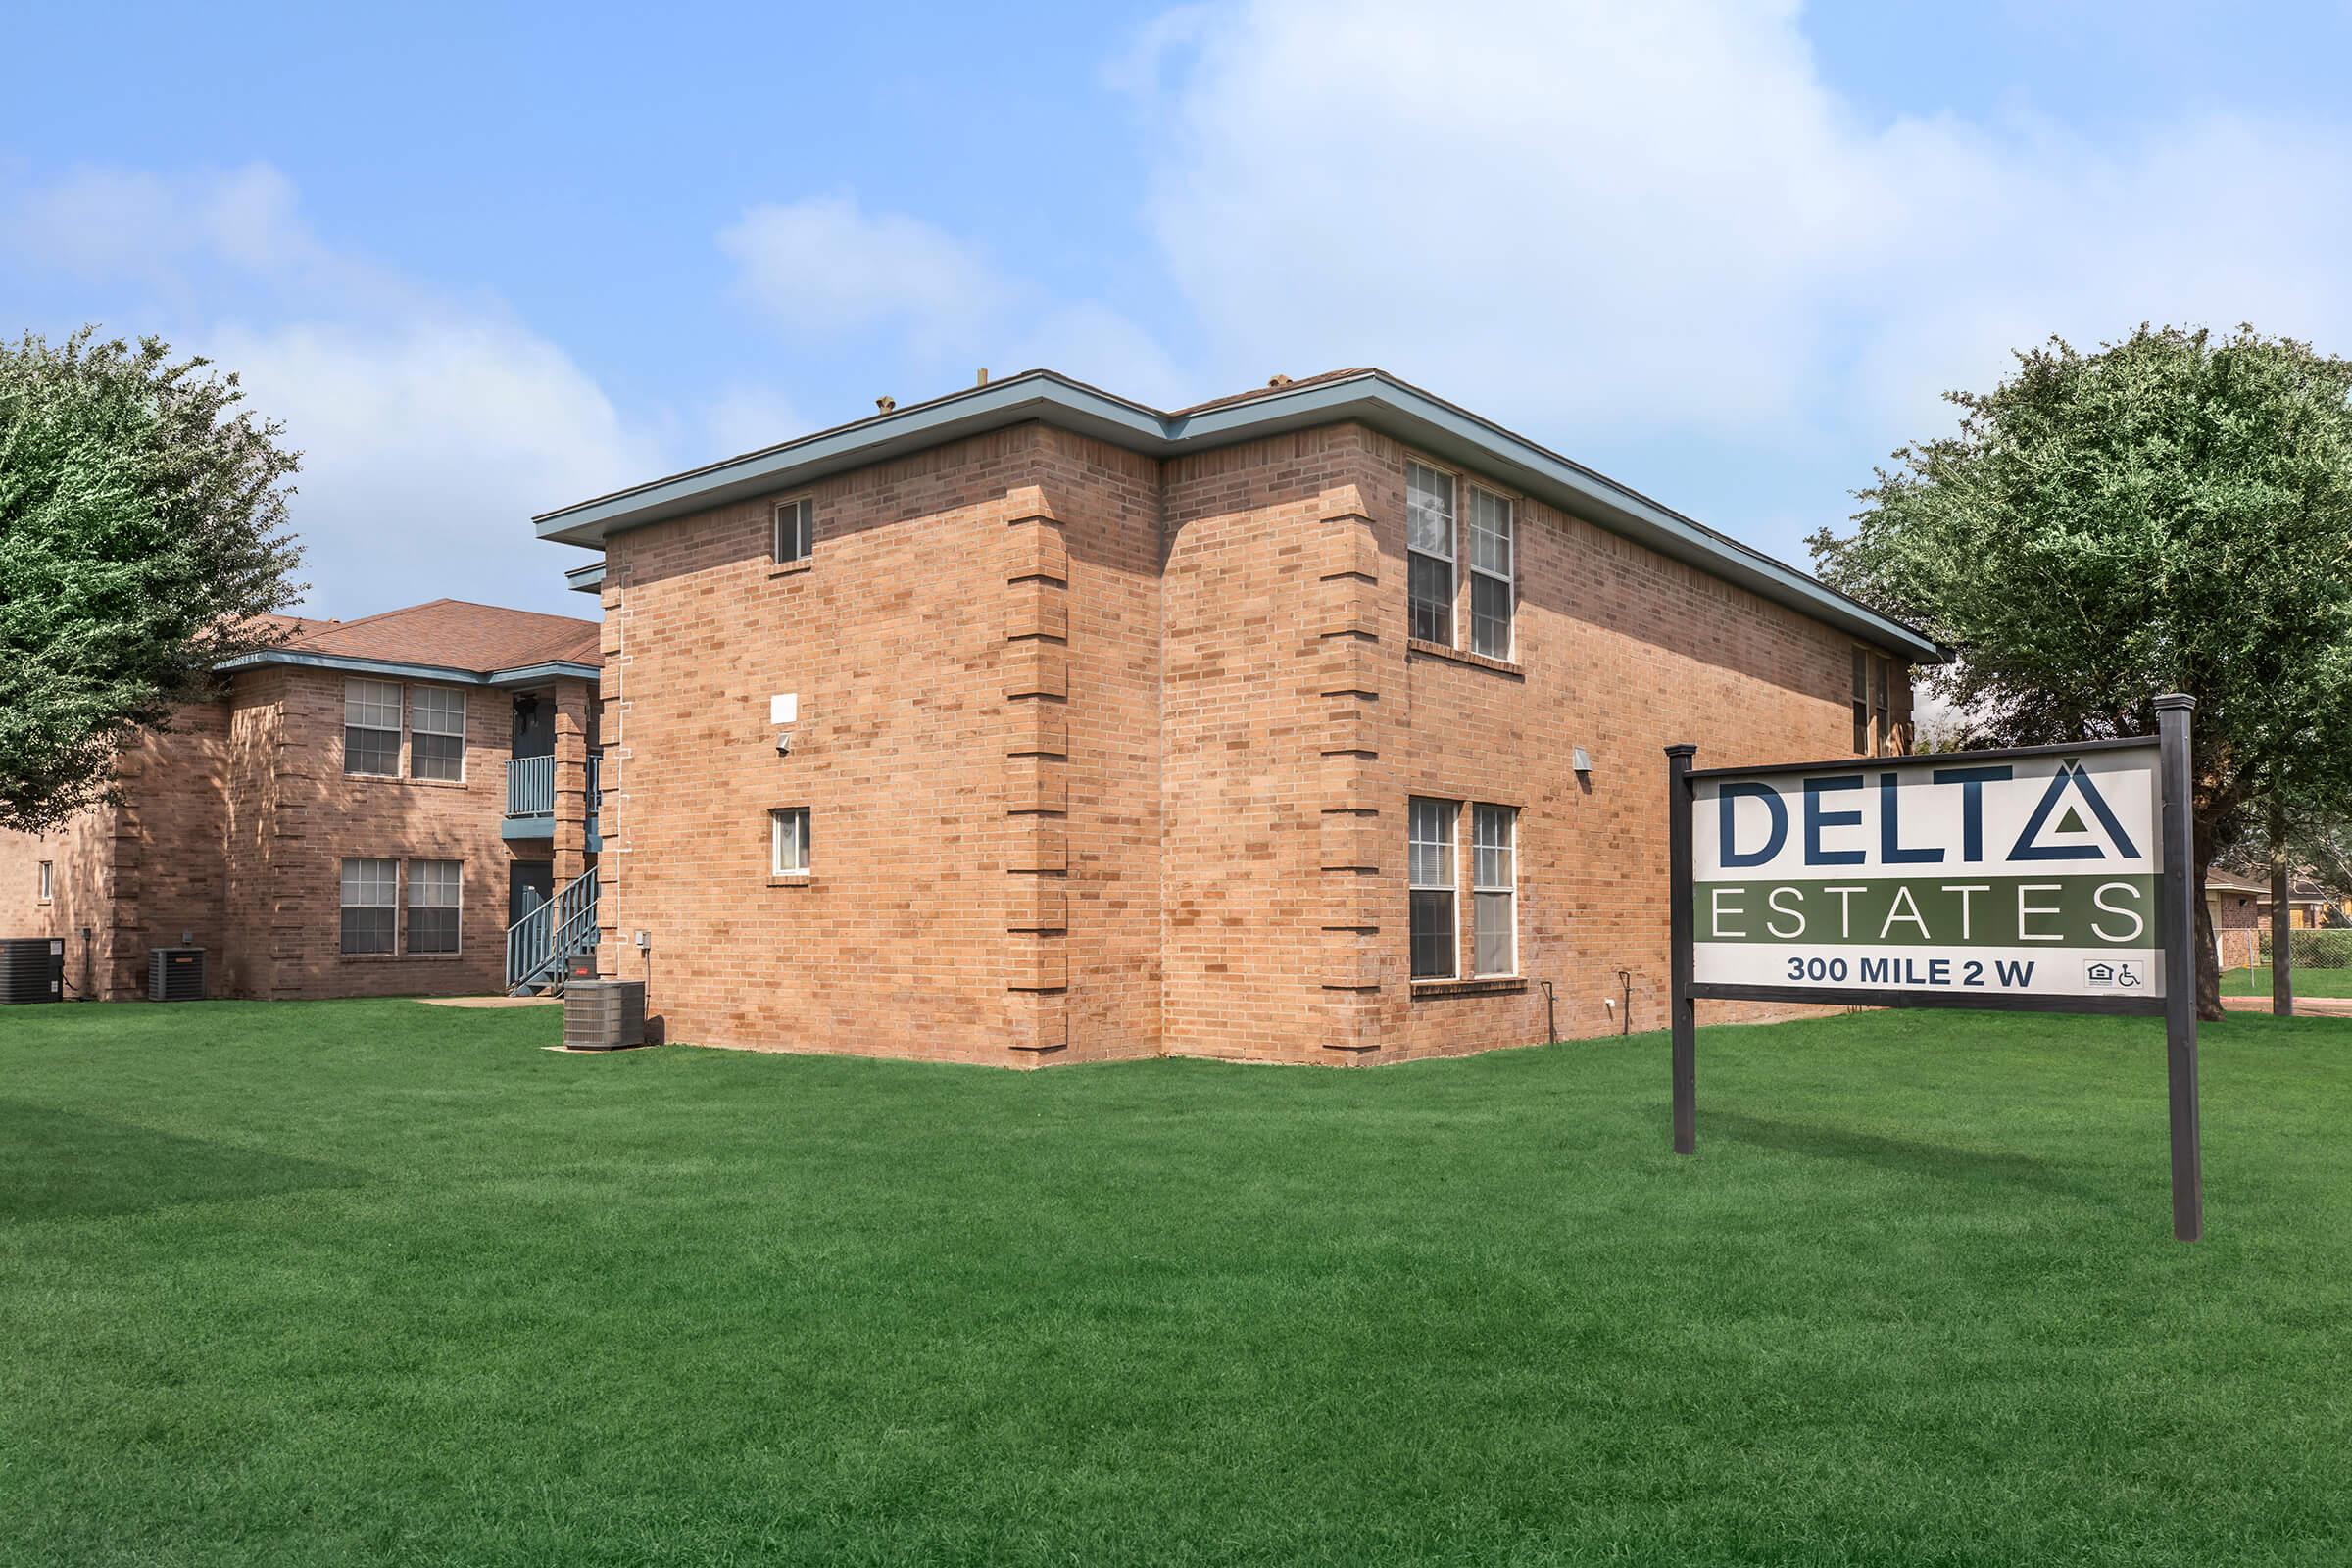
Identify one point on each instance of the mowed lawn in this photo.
(374, 1282)
(2309, 981)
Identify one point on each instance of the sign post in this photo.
(2050, 880)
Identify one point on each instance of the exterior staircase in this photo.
(541, 946)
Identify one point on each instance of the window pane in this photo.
(1489, 616)
(1494, 945)
(788, 840)
(1434, 939)
(436, 711)
(1490, 532)
(370, 882)
(1861, 726)
(433, 884)
(370, 751)
(436, 755)
(1491, 831)
(366, 930)
(1428, 510)
(432, 930)
(371, 704)
(1430, 844)
(793, 531)
(1431, 588)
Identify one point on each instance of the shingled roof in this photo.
(453, 634)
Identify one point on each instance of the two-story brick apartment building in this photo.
(399, 805)
(1318, 724)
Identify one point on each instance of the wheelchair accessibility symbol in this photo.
(2115, 974)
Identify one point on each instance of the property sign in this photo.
(1983, 878)
(2051, 878)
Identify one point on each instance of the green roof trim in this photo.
(1372, 398)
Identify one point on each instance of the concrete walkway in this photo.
(491, 1002)
(2305, 1006)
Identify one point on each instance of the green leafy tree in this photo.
(142, 528)
(2172, 512)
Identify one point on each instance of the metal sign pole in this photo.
(2181, 965)
(1679, 937)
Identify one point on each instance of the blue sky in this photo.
(486, 262)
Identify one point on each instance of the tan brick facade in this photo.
(231, 831)
(1109, 755)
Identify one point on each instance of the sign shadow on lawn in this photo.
(62, 1164)
(1903, 1156)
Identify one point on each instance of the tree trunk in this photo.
(2209, 959)
(2283, 944)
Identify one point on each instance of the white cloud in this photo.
(1627, 218)
(432, 429)
(822, 265)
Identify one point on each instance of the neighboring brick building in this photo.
(363, 811)
(1115, 732)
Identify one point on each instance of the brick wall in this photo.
(1107, 756)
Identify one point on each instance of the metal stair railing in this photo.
(544, 941)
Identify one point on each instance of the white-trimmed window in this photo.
(788, 840)
(795, 530)
(1428, 550)
(1430, 858)
(48, 881)
(436, 732)
(371, 904)
(1494, 890)
(435, 899)
(372, 727)
(1491, 582)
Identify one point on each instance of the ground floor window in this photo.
(48, 881)
(1430, 854)
(371, 904)
(788, 840)
(1494, 889)
(433, 903)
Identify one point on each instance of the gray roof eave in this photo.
(519, 675)
(1373, 398)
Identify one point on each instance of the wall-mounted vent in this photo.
(174, 974)
(32, 970)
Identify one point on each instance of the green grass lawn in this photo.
(2309, 982)
(370, 1282)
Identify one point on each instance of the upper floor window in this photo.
(372, 727)
(1428, 550)
(1875, 731)
(436, 732)
(371, 904)
(795, 530)
(788, 840)
(1429, 855)
(433, 902)
(1491, 588)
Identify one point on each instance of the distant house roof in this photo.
(1370, 397)
(2299, 891)
(445, 638)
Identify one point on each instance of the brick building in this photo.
(1318, 724)
(364, 810)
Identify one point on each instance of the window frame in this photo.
(779, 816)
(1861, 700)
(805, 530)
(47, 883)
(1882, 705)
(1416, 886)
(416, 729)
(399, 706)
(1508, 578)
(1451, 560)
(344, 906)
(409, 907)
(1481, 887)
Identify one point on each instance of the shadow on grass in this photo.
(61, 1164)
(1906, 1156)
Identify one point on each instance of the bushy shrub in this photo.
(2315, 950)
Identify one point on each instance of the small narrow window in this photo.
(1861, 703)
(796, 530)
(436, 732)
(1882, 728)
(1429, 551)
(48, 881)
(788, 840)
(1491, 583)
(370, 902)
(433, 906)
(1430, 856)
(1494, 890)
(372, 728)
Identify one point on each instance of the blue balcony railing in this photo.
(531, 786)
